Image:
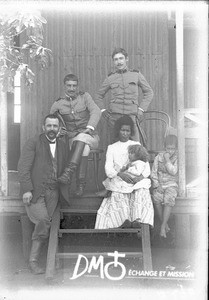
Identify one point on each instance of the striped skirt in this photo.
(119, 207)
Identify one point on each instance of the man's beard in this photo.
(50, 136)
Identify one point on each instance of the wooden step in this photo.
(91, 254)
(78, 210)
(86, 230)
(86, 202)
(55, 232)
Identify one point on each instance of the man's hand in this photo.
(140, 114)
(62, 131)
(88, 131)
(127, 178)
(27, 197)
(106, 114)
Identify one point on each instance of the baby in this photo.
(138, 166)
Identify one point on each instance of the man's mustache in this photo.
(52, 131)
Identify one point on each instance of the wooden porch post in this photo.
(180, 97)
(3, 142)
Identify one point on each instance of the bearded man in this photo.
(42, 161)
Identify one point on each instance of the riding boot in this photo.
(81, 176)
(34, 256)
(73, 163)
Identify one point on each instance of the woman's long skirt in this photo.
(119, 207)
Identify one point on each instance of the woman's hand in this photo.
(123, 169)
(126, 177)
(137, 178)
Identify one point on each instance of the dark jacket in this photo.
(125, 96)
(35, 164)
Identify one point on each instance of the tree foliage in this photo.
(28, 26)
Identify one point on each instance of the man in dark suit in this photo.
(42, 160)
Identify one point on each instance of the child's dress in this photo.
(136, 168)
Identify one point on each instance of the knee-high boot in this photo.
(34, 256)
(81, 176)
(73, 163)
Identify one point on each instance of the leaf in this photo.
(11, 58)
(25, 46)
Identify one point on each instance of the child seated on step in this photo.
(138, 166)
(164, 177)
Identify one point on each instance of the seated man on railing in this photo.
(80, 116)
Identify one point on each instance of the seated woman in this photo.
(122, 208)
(138, 166)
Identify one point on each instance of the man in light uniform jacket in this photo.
(124, 84)
(80, 116)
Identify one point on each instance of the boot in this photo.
(34, 256)
(74, 161)
(81, 176)
(67, 175)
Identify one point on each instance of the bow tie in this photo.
(50, 142)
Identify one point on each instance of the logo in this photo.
(96, 264)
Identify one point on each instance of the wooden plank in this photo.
(90, 255)
(53, 243)
(111, 230)
(189, 206)
(180, 99)
(146, 248)
(191, 133)
(78, 211)
(11, 205)
(182, 224)
(3, 142)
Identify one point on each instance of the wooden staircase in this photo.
(88, 205)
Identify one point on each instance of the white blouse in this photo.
(117, 157)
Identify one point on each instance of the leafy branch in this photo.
(30, 27)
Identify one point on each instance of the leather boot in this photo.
(34, 256)
(67, 175)
(81, 176)
(74, 161)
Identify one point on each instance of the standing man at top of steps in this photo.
(80, 116)
(124, 84)
(43, 159)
